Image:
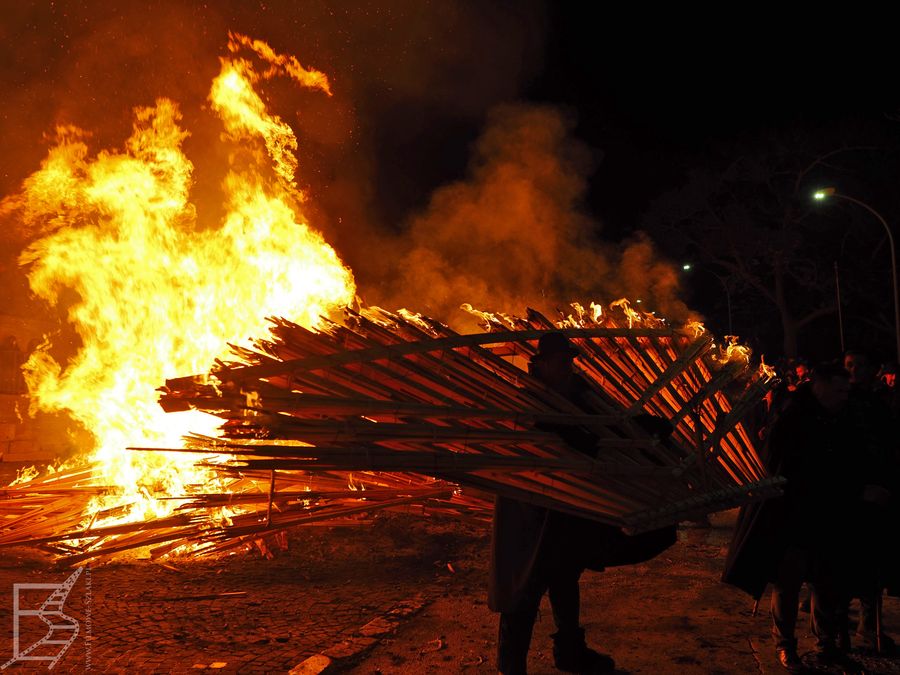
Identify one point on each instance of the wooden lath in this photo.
(402, 391)
(391, 411)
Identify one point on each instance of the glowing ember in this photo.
(695, 328)
(155, 294)
(648, 319)
(733, 351)
(489, 319)
(766, 371)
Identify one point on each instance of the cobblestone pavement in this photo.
(405, 595)
(670, 615)
(141, 617)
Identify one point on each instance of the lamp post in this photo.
(687, 267)
(831, 192)
(837, 291)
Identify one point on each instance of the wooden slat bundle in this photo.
(43, 506)
(393, 411)
(52, 513)
(401, 392)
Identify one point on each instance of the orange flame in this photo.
(158, 296)
(766, 371)
(488, 319)
(648, 319)
(695, 328)
(733, 351)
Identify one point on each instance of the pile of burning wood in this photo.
(397, 411)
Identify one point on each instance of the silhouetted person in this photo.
(863, 372)
(798, 537)
(888, 390)
(534, 551)
(888, 374)
(537, 550)
(871, 564)
(801, 373)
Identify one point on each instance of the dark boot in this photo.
(868, 642)
(843, 641)
(572, 655)
(829, 655)
(789, 659)
(513, 641)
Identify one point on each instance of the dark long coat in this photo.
(873, 537)
(529, 540)
(810, 447)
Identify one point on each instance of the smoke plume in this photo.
(381, 158)
(515, 234)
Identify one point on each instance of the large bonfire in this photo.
(160, 293)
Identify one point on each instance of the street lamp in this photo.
(687, 267)
(831, 192)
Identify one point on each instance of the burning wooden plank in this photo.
(403, 392)
(396, 411)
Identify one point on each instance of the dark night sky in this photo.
(657, 99)
(651, 88)
(654, 93)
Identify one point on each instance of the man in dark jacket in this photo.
(801, 536)
(537, 550)
(874, 514)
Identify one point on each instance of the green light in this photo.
(823, 193)
(686, 266)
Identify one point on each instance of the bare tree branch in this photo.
(815, 314)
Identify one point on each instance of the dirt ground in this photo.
(234, 614)
(670, 615)
(403, 595)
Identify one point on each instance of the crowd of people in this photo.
(831, 431)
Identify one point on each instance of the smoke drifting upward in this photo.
(411, 84)
(514, 233)
(411, 80)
